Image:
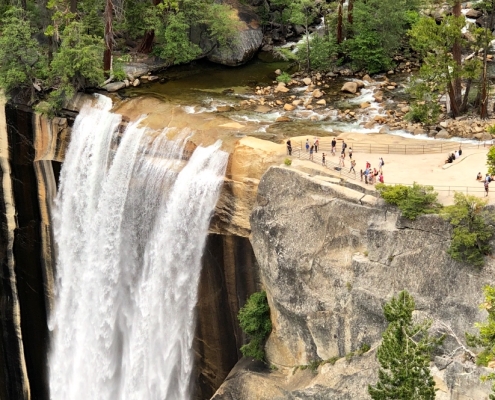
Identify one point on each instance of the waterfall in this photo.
(131, 222)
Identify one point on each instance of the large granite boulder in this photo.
(329, 258)
(244, 45)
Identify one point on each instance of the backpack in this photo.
(383, 162)
(345, 145)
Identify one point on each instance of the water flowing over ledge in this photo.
(130, 224)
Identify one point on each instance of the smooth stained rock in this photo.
(307, 81)
(289, 107)
(443, 134)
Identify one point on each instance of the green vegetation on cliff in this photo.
(254, 319)
(412, 200)
(404, 355)
(472, 230)
(486, 337)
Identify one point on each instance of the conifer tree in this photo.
(404, 355)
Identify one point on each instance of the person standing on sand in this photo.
(350, 153)
(344, 146)
(311, 150)
(353, 164)
(380, 178)
(307, 145)
(486, 188)
(341, 161)
(380, 164)
(323, 159)
(334, 143)
(289, 147)
(316, 144)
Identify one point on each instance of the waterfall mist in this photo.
(131, 222)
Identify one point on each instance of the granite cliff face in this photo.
(329, 258)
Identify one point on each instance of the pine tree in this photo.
(404, 355)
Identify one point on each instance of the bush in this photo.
(412, 201)
(472, 233)
(288, 162)
(284, 77)
(490, 160)
(254, 319)
(323, 53)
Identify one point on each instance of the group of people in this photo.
(372, 176)
(453, 156)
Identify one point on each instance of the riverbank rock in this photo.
(443, 134)
(349, 87)
(134, 70)
(114, 86)
(246, 42)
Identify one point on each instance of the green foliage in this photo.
(404, 355)
(77, 64)
(425, 108)
(173, 41)
(486, 337)
(254, 319)
(471, 233)
(412, 201)
(490, 160)
(22, 58)
(284, 77)
(378, 31)
(323, 52)
(288, 162)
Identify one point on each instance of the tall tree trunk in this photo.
(484, 78)
(340, 11)
(466, 96)
(350, 7)
(107, 55)
(147, 43)
(456, 89)
(73, 6)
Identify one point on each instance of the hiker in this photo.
(486, 188)
(456, 154)
(334, 143)
(362, 175)
(289, 147)
(479, 177)
(350, 153)
(460, 151)
(344, 146)
(375, 174)
(323, 159)
(366, 176)
(380, 178)
(341, 161)
(368, 165)
(381, 163)
(488, 178)
(307, 145)
(316, 144)
(353, 164)
(311, 150)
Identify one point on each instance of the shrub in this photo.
(490, 160)
(412, 201)
(288, 162)
(323, 53)
(254, 319)
(284, 77)
(472, 232)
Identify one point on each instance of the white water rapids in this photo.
(131, 223)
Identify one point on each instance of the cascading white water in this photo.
(131, 223)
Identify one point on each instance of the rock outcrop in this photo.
(329, 259)
(241, 48)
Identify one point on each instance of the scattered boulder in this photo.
(225, 108)
(262, 109)
(297, 102)
(384, 130)
(114, 86)
(317, 93)
(367, 78)
(366, 104)
(127, 83)
(289, 107)
(359, 83)
(281, 88)
(278, 72)
(283, 118)
(135, 69)
(136, 82)
(474, 14)
(349, 87)
(307, 81)
(321, 102)
(152, 78)
(443, 134)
